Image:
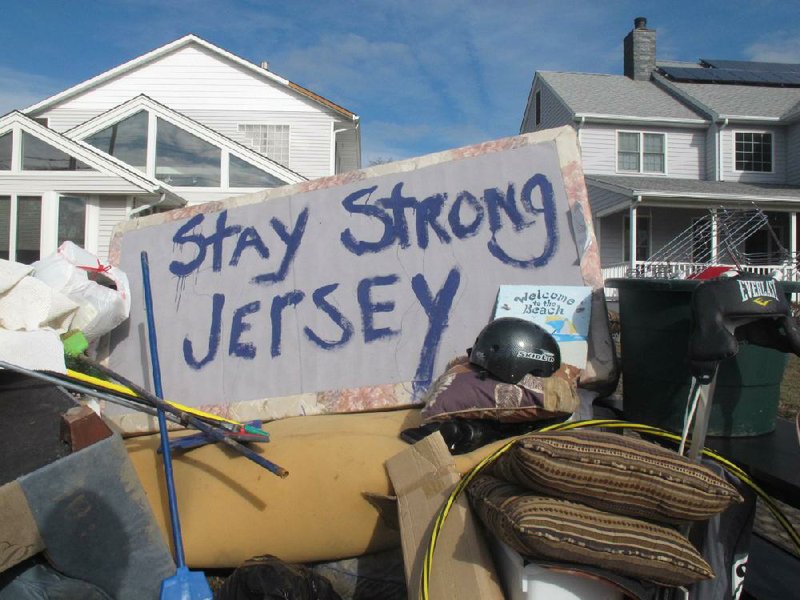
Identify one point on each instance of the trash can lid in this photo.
(676, 285)
(653, 283)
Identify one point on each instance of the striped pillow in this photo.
(617, 474)
(554, 529)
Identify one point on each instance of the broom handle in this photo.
(177, 539)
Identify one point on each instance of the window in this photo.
(38, 155)
(5, 151)
(5, 227)
(269, 140)
(537, 107)
(753, 152)
(126, 140)
(639, 152)
(642, 238)
(243, 174)
(28, 229)
(72, 220)
(183, 159)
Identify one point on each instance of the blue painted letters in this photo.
(499, 206)
(248, 237)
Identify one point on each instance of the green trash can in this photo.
(655, 320)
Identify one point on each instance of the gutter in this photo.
(622, 119)
(133, 213)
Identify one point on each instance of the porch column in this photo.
(632, 226)
(793, 244)
(714, 238)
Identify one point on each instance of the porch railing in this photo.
(681, 270)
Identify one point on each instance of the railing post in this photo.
(632, 226)
(714, 240)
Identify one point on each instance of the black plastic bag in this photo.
(269, 578)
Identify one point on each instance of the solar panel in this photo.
(731, 76)
(770, 67)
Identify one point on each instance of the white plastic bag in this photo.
(76, 272)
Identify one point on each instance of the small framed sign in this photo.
(564, 311)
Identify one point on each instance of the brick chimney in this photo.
(640, 51)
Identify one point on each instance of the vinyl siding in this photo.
(665, 225)
(218, 94)
(779, 144)
(189, 78)
(793, 154)
(668, 223)
(309, 134)
(611, 239)
(601, 199)
(598, 149)
(113, 210)
(554, 112)
(686, 150)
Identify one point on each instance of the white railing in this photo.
(681, 270)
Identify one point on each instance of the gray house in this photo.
(668, 145)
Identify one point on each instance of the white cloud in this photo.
(19, 90)
(782, 46)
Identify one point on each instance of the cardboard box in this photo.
(423, 477)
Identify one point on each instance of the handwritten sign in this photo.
(563, 311)
(370, 279)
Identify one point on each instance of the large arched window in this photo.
(181, 155)
(183, 159)
(38, 155)
(5, 151)
(125, 140)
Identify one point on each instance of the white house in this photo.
(185, 123)
(666, 144)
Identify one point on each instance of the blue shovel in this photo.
(185, 584)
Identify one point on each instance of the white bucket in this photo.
(531, 582)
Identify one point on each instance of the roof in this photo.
(666, 187)
(171, 47)
(743, 101)
(596, 95)
(143, 102)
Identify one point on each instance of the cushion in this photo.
(542, 527)
(620, 474)
(463, 391)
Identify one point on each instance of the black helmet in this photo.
(509, 348)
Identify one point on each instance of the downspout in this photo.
(580, 130)
(720, 153)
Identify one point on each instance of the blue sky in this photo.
(423, 76)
